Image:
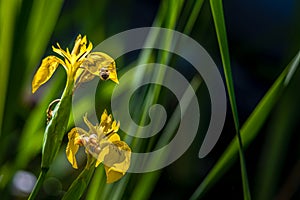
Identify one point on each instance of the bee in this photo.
(97, 64)
(104, 73)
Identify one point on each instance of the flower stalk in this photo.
(57, 126)
(80, 184)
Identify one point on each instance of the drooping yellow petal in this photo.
(83, 76)
(113, 76)
(97, 60)
(101, 65)
(45, 71)
(111, 175)
(117, 159)
(72, 146)
(120, 160)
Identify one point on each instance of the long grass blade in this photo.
(249, 130)
(147, 182)
(42, 20)
(218, 16)
(283, 122)
(104, 191)
(193, 16)
(8, 12)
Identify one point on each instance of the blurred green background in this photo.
(263, 37)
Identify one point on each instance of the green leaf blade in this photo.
(249, 131)
(218, 16)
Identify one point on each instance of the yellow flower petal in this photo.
(79, 44)
(122, 154)
(72, 146)
(117, 159)
(111, 175)
(115, 126)
(114, 137)
(75, 49)
(80, 49)
(104, 116)
(83, 76)
(90, 47)
(45, 71)
(62, 52)
(106, 122)
(113, 76)
(104, 151)
(101, 65)
(84, 51)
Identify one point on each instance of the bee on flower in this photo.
(81, 65)
(104, 144)
(98, 64)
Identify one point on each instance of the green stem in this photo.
(79, 186)
(54, 133)
(57, 127)
(38, 183)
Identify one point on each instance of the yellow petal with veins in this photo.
(111, 175)
(45, 71)
(113, 76)
(72, 147)
(80, 43)
(83, 51)
(117, 158)
(95, 62)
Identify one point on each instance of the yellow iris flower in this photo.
(90, 64)
(104, 144)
